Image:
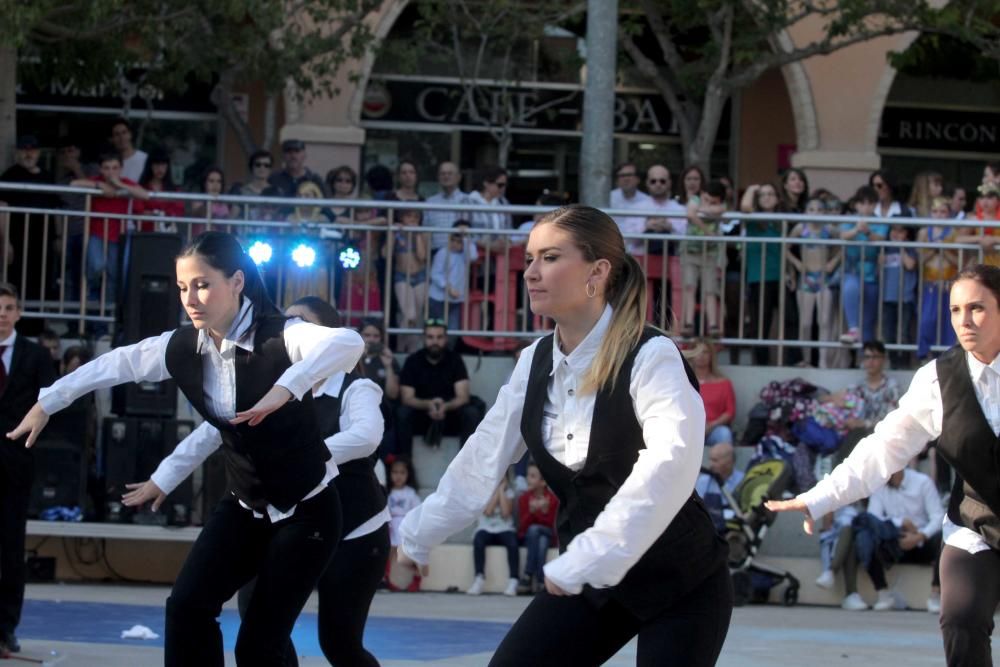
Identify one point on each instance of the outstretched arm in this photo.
(898, 438)
(142, 362)
(470, 480)
(189, 453)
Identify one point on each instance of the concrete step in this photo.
(451, 569)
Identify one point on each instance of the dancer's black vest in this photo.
(688, 550)
(361, 496)
(281, 459)
(968, 443)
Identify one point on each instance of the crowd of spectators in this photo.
(778, 279)
(761, 288)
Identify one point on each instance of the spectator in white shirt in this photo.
(902, 525)
(449, 176)
(955, 399)
(674, 221)
(609, 410)
(133, 159)
(628, 196)
(491, 193)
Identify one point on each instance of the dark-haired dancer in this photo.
(956, 400)
(611, 414)
(347, 408)
(240, 365)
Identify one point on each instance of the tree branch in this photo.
(670, 95)
(662, 33)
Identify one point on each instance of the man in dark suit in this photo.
(25, 367)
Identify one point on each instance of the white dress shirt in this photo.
(361, 427)
(133, 166)
(444, 218)
(674, 211)
(916, 498)
(633, 224)
(672, 417)
(316, 353)
(488, 221)
(8, 355)
(902, 435)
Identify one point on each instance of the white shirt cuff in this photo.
(418, 554)
(294, 382)
(556, 571)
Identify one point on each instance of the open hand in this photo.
(790, 506)
(271, 401)
(32, 424)
(143, 492)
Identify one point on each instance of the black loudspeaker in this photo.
(148, 305)
(133, 448)
(60, 476)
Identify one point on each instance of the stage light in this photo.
(350, 258)
(304, 255)
(260, 252)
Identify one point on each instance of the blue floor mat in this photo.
(388, 638)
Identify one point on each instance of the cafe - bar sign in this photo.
(434, 103)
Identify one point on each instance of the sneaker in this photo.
(934, 603)
(899, 602)
(853, 602)
(511, 589)
(885, 602)
(477, 586)
(525, 585)
(825, 580)
(851, 337)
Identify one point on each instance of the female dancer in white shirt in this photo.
(612, 416)
(348, 409)
(240, 365)
(955, 399)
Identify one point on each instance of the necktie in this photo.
(3, 369)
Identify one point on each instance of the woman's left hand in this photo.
(271, 401)
(553, 589)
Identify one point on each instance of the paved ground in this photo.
(80, 626)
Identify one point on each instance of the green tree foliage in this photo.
(298, 44)
(697, 53)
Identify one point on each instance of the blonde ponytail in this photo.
(598, 237)
(626, 295)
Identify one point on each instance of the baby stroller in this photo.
(746, 524)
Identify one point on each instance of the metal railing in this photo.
(64, 264)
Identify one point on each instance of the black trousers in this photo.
(346, 591)
(570, 630)
(287, 558)
(461, 422)
(17, 472)
(970, 592)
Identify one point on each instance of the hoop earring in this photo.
(591, 294)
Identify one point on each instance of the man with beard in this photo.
(434, 391)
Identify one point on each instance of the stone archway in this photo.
(385, 23)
